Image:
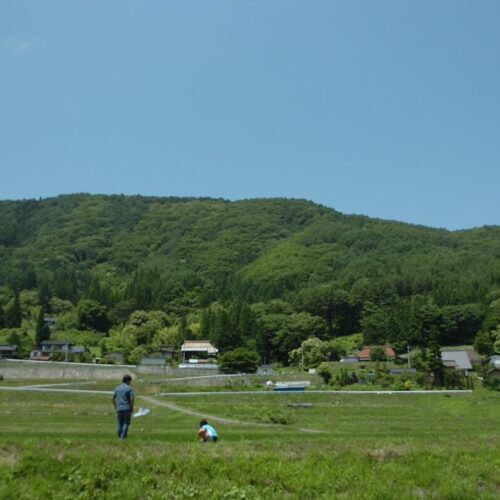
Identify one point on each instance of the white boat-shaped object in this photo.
(291, 386)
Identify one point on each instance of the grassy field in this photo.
(63, 445)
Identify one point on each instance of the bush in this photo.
(324, 372)
(135, 357)
(239, 361)
(493, 384)
(378, 354)
(344, 378)
(454, 380)
(276, 417)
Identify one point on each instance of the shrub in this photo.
(239, 361)
(276, 417)
(324, 372)
(345, 378)
(378, 354)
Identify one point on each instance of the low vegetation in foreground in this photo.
(56, 445)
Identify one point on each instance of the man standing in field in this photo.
(123, 401)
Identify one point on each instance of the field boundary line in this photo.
(203, 377)
(93, 382)
(211, 393)
(48, 389)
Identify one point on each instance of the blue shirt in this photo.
(210, 430)
(123, 395)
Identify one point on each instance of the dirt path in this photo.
(180, 409)
(174, 407)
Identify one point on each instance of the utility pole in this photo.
(409, 364)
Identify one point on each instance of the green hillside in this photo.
(249, 272)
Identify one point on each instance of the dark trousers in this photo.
(123, 417)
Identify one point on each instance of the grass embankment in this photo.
(398, 446)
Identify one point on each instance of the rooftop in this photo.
(8, 347)
(367, 349)
(198, 346)
(459, 358)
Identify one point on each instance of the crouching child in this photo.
(207, 433)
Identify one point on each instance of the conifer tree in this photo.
(436, 366)
(42, 330)
(247, 324)
(206, 324)
(184, 330)
(2, 317)
(44, 297)
(13, 313)
(225, 335)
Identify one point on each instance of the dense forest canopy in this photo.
(265, 274)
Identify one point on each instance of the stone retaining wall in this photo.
(22, 369)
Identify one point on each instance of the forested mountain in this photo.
(268, 273)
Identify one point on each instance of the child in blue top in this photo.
(207, 432)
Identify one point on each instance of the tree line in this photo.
(261, 274)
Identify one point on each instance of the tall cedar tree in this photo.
(184, 330)
(44, 297)
(483, 344)
(224, 335)
(436, 366)
(42, 330)
(13, 313)
(206, 324)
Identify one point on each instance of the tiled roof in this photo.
(365, 353)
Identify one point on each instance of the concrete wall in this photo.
(23, 369)
(11, 369)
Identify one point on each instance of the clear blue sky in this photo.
(388, 108)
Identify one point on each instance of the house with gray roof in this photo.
(8, 351)
(457, 360)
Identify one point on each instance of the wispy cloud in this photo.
(17, 46)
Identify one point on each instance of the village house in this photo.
(8, 351)
(167, 352)
(198, 350)
(457, 361)
(50, 347)
(366, 352)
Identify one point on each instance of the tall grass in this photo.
(64, 446)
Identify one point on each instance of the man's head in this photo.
(127, 379)
(203, 422)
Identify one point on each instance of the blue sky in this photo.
(388, 108)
